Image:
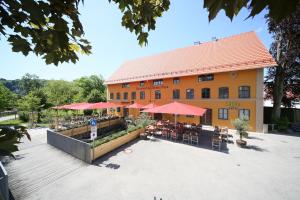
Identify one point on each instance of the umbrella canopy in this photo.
(103, 105)
(80, 106)
(149, 106)
(177, 109)
(69, 106)
(135, 105)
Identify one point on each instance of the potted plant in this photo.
(241, 126)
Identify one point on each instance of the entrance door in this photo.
(206, 119)
(125, 112)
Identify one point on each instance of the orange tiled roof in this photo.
(238, 52)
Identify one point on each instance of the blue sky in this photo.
(181, 26)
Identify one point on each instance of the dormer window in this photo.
(206, 77)
(125, 85)
(158, 82)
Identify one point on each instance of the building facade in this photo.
(229, 84)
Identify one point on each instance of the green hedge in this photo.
(115, 135)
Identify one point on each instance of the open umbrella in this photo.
(149, 106)
(177, 108)
(135, 105)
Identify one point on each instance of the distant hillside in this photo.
(12, 85)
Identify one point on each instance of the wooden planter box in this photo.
(85, 129)
(114, 144)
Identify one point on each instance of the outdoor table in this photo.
(187, 126)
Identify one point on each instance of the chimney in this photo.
(214, 39)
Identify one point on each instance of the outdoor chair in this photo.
(224, 133)
(165, 134)
(174, 135)
(216, 142)
(186, 137)
(194, 139)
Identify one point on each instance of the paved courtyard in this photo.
(160, 169)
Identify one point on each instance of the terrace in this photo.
(159, 168)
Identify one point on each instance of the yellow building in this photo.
(225, 76)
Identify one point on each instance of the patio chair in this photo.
(186, 137)
(224, 134)
(174, 135)
(216, 142)
(194, 139)
(165, 133)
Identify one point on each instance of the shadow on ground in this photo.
(255, 148)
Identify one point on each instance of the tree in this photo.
(29, 82)
(283, 81)
(52, 29)
(29, 103)
(96, 96)
(7, 98)
(91, 89)
(277, 10)
(60, 92)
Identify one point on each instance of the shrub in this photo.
(143, 120)
(282, 124)
(115, 135)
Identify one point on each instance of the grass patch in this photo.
(12, 122)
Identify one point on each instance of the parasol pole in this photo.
(175, 121)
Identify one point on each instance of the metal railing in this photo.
(4, 191)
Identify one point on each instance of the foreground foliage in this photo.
(10, 137)
(52, 28)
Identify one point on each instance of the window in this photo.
(207, 77)
(176, 94)
(125, 85)
(118, 96)
(142, 83)
(142, 94)
(223, 93)
(205, 94)
(190, 116)
(157, 94)
(111, 96)
(133, 95)
(118, 109)
(223, 113)
(125, 95)
(244, 92)
(158, 82)
(190, 93)
(176, 80)
(244, 113)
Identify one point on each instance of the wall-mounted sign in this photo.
(93, 123)
(233, 105)
(152, 88)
